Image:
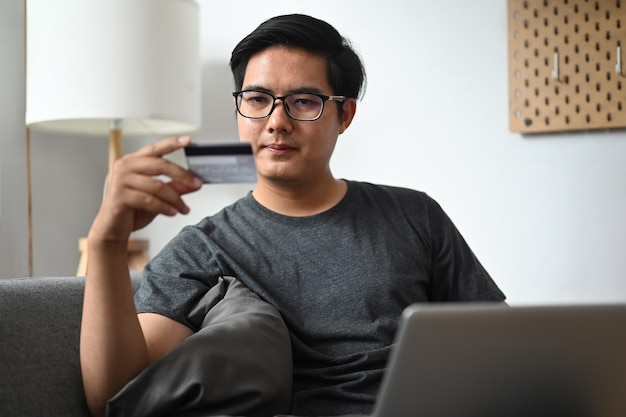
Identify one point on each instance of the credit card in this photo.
(221, 163)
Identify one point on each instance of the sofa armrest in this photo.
(39, 359)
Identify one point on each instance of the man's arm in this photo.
(116, 344)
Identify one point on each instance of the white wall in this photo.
(543, 213)
(13, 235)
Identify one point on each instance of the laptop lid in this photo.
(485, 360)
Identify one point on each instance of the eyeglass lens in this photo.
(301, 106)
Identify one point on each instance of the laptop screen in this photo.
(486, 360)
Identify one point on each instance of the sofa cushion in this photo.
(238, 363)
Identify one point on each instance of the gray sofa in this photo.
(39, 363)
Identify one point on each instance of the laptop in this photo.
(498, 361)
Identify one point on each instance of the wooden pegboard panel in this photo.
(563, 56)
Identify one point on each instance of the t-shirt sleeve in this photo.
(176, 279)
(456, 273)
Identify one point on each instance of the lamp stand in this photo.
(29, 205)
(115, 144)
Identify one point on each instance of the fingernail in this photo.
(183, 139)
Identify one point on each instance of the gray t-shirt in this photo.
(340, 279)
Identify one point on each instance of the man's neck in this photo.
(300, 199)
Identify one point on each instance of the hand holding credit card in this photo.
(219, 163)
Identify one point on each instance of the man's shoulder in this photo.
(386, 191)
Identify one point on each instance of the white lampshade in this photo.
(90, 62)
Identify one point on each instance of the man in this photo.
(339, 259)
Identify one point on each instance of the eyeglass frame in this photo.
(325, 98)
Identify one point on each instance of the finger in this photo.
(164, 146)
(144, 202)
(154, 166)
(155, 189)
(182, 188)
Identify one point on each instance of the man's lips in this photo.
(279, 148)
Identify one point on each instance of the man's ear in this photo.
(349, 109)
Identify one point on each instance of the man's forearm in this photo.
(112, 346)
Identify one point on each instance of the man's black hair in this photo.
(345, 70)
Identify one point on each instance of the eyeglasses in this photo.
(305, 107)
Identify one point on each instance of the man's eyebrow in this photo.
(303, 89)
(254, 87)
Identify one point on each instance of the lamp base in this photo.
(137, 249)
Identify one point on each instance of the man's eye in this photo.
(305, 100)
(257, 99)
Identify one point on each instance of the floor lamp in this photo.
(113, 67)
